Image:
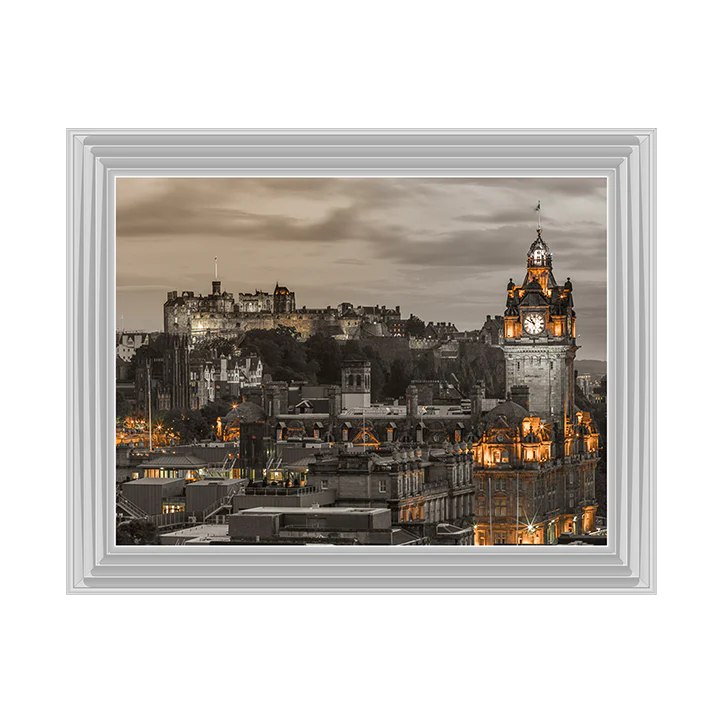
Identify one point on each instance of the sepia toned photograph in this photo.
(361, 361)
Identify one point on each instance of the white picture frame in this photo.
(625, 157)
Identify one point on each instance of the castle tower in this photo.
(412, 401)
(356, 384)
(284, 300)
(539, 338)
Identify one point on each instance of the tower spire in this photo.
(215, 268)
(539, 220)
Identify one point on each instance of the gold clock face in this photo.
(534, 324)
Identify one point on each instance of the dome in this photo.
(539, 254)
(247, 413)
(507, 414)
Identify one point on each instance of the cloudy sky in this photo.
(442, 249)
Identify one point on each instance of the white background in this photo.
(348, 64)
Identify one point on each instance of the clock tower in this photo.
(539, 338)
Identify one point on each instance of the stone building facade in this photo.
(536, 453)
(539, 337)
(416, 483)
(212, 378)
(221, 313)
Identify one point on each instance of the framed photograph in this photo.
(377, 361)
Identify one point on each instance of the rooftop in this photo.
(153, 481)
(326, 511)
(216, 481)
(173, 461)
(199, 531)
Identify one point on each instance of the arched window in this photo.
(358, 380)
(350, 380)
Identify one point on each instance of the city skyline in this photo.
(442, 249)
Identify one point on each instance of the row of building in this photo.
(220, 313)
(405, 495)
(517, 470)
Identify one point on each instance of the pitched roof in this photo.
(534, 296)
(507, 414)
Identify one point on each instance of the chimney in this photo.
(412, 401)
(334, 401)
(520, 394)
(478, 394)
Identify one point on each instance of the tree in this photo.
(400, 376)
(415, 326)
(323, 351)
(281, 352)
(136, 532)
(210, 413)
(122, 407)
(189, 425)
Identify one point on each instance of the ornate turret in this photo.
(539, 336)
(539, 256)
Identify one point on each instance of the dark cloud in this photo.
(442, 248)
